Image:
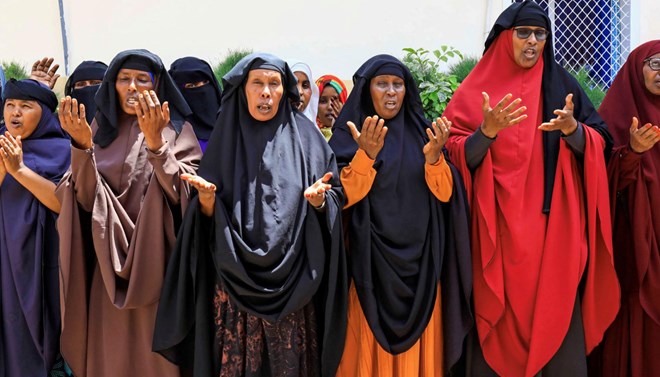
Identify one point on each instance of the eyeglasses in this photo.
(654, 63)
(524, 33)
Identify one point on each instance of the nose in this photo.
(532, 38)
(132, 86)
(266, 92)
(390, 90)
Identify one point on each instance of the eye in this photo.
(398, 85)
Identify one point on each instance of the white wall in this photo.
(332, 36)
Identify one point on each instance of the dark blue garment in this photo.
(30, 310)
(87, 70)
(204, 101)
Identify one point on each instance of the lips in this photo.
(264, 107)
(529, 52)
(390, 105)
(16, 123)
(132, 101)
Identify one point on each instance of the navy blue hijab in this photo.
(87, 70)
(29, 245)
(204, 101)
(272, 252)
(107, 116)
(402, 240)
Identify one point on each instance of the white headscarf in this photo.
(313, 106)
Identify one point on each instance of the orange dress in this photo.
(363, 356)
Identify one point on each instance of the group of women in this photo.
(158, 226)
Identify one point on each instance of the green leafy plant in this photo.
(463, 68)
(595, 91)
(233, 57)
(14, 70)
(435, 87)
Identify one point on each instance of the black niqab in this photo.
(87, 70)
(204, 101)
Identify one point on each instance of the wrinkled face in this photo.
(387, 93)
(86, 83)
(264, 91)
(651, 77)
(526, 52)
(198, 84)
(21, 117)
(130, 83)
(304, 88)
(325, 115)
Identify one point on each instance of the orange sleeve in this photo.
(357, 178)
(439, 179)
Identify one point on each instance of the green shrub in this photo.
(595, 91)
(14, 70)
(463, 68)
(233, 57)
(435, 87)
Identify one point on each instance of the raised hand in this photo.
(437, 139)
(336, 106)
(564, 121)
(505, 114)
(42, 72)
(206, 191)
(73, 121)
(315, 194)
(12, 152)
(152, 119)
(644, 138)
(372, 137)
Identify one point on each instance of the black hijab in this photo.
(87, 70)
(204, 101)
(402, 240)
(557, 83)
(270, 249)
(106, 99)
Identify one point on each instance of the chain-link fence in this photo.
(590, 35)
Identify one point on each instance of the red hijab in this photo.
(525, 277)
(626, 98)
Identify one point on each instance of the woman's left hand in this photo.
(42, 72)
(152, 119)
(437, 139)
(564, 121)
(12, 152)
(315, 194)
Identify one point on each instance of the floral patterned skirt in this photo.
(251, 346)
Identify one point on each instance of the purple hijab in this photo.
(29, 294)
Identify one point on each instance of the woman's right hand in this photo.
(372, 137)
(644, 138)
(75, 123)
(206, 191)
(500, 117)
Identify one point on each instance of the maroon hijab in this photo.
(626, 98)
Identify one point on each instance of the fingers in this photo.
(198, 182)
(158, 111)
(148, 106)
(634, 125)
(83, 113)
(52, 71)
(354, 132)
(503, 101)
(569, 102)
(485, 106)
(166, 112)
(512, 106)
(367, 126)
(74, 109)
(378, 130)
(326, 177)
(517, 120)
(518, 112)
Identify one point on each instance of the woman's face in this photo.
(263, 90)
(387, 93)
(326, 114)
(304, 88)
(130, 83)
(651, 77)
(21, 117)
(527, 51)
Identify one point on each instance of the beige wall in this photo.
(648, 26)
